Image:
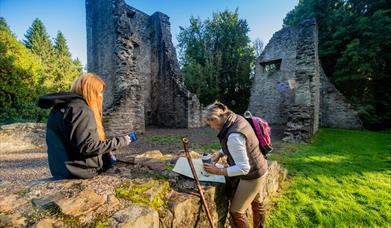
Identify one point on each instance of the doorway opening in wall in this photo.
(270, 67)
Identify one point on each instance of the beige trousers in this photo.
(246, 192)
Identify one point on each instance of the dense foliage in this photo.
(355, 51)
(217, 57)
(31, 69)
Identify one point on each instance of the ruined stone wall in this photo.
(100, 43)
(111, 44)
(336, 112)
(134, 54)
(174, 108)
(271, 95)
(22, 136)
(141, 191)
(303, 116)
(289, 89)
(117, 198)
(196, 112)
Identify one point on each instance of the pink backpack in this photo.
(262, 131)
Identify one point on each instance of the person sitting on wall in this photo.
(76, 141)
(245, 161)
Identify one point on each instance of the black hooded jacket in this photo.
(74, 149)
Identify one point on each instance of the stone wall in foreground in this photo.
(143, 192)
(22, 136)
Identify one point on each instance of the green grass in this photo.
(342, 179)
(163, 138)
(206, 148)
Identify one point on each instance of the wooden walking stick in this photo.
(185, 142)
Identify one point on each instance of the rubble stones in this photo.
(86, 201)
(83, 202)
(22, 136)
(135, 216)
(12, 220)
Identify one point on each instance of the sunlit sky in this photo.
(264, 17)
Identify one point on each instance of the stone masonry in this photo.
(335, 111)
(134, 54)
(141, 191)
(291, 89)
(303, 115)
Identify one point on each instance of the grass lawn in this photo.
(342, 179)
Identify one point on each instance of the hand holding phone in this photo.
(133, 136)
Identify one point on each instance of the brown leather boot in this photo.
(239, 220)
(259, 214)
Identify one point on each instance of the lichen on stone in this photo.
(150, 193)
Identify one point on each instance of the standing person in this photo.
(245, 161)
(77, 145)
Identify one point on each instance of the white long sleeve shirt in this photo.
(236, 144)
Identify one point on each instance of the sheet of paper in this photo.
(182, 167)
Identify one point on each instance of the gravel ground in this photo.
(27, 165)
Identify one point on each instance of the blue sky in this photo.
(264, 17)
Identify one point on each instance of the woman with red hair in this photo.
(77, 145)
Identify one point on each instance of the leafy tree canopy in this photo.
(217, 57)
(30, 69)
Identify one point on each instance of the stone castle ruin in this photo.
(134, 54)
(291, 89)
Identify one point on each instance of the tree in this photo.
(4, 26)
(354, 48)
(38, 41)
(216, 57)
(67, 69)
(78, 65)
(20, 76)
(30, 70)
(61, 46)
(59, 68)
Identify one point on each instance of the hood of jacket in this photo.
(53, 99)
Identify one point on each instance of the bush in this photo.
(27, 112)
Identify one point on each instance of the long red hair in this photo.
(90, 86)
